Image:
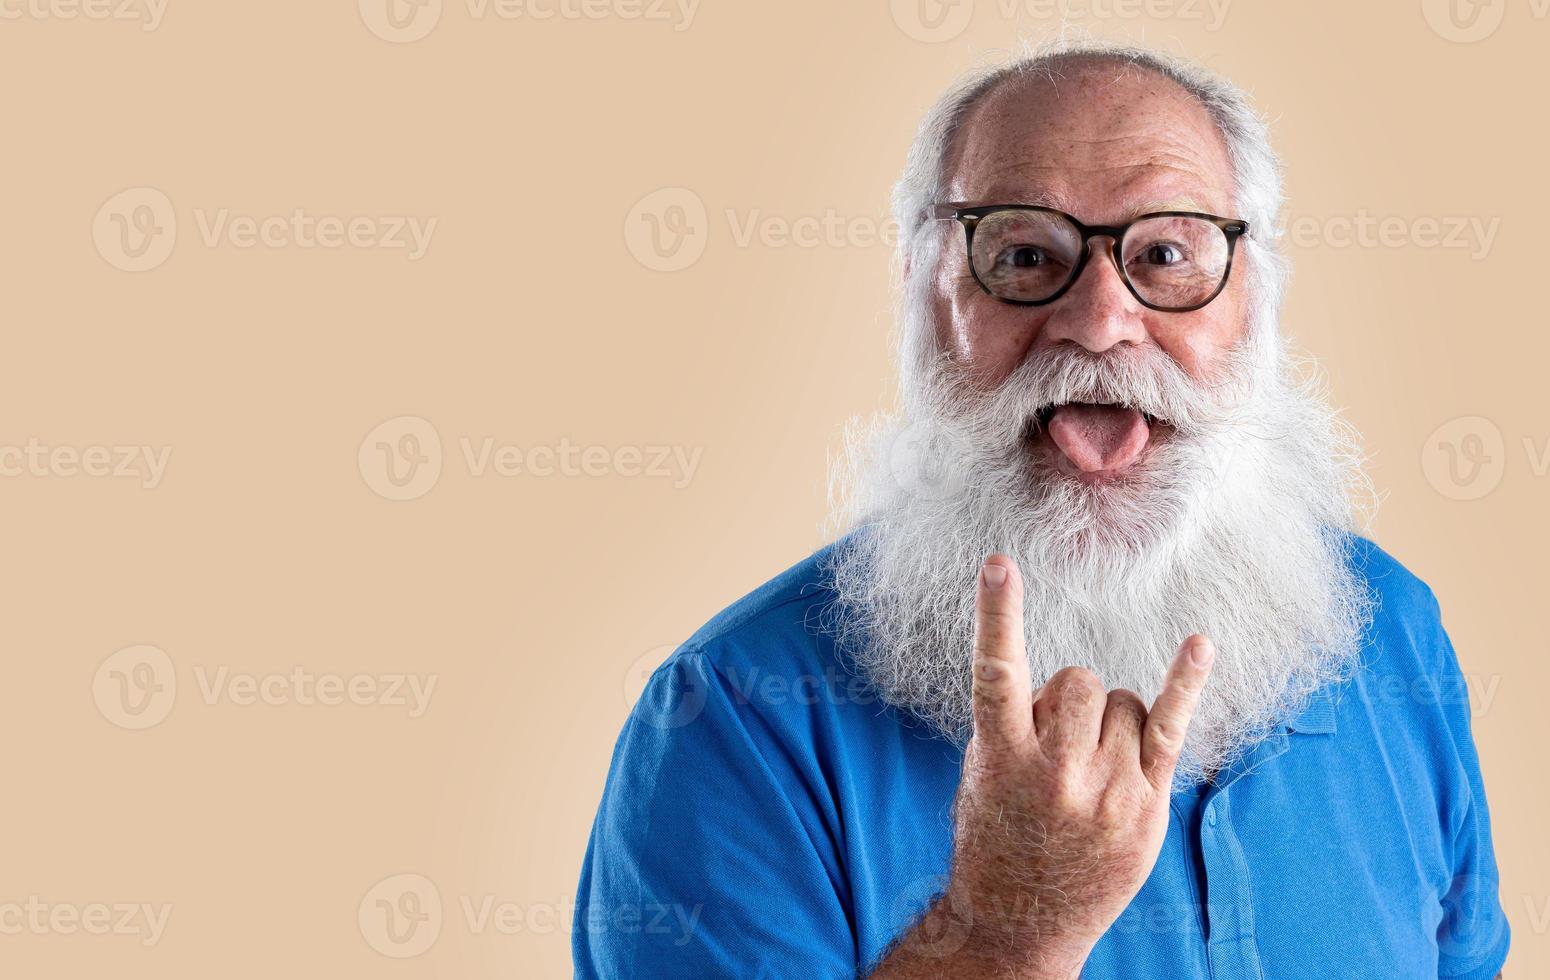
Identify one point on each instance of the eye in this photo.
(1023, 257)
(1161, 253)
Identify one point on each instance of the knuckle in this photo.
(1127, 703)
(1077, 683)
(1127, 712)
(1162, 733)
(989, 670)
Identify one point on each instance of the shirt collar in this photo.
(1317, 717)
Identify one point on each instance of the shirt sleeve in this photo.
(706, 859)
(1473, 935)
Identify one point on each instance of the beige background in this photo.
(540, 317)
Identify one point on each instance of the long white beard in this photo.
(1233, 527)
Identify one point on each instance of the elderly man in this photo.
(1103, 682)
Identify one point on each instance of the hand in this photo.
(1063, 803)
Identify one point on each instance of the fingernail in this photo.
(1201, 652)
(994, 576)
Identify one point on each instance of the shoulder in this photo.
(1407, 658)
(802, 590)
(769, 654)
(780, 626)
(1400, 597)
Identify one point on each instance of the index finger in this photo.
(1162, 738)
(1003, 689)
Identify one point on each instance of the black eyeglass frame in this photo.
(970, 216)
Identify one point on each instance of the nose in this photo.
(1098, 311)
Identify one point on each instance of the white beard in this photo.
(1233, 527)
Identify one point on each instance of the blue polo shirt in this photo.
(767, 816)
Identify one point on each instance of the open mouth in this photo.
(1095, 441)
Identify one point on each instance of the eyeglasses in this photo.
(1027, 255)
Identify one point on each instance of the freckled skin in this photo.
(1103, 144)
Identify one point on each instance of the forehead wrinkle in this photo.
(1144, 191)
(991, 168)
(1157, 150)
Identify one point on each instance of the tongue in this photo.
(1099, 437)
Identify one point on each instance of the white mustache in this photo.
(1142, 377)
